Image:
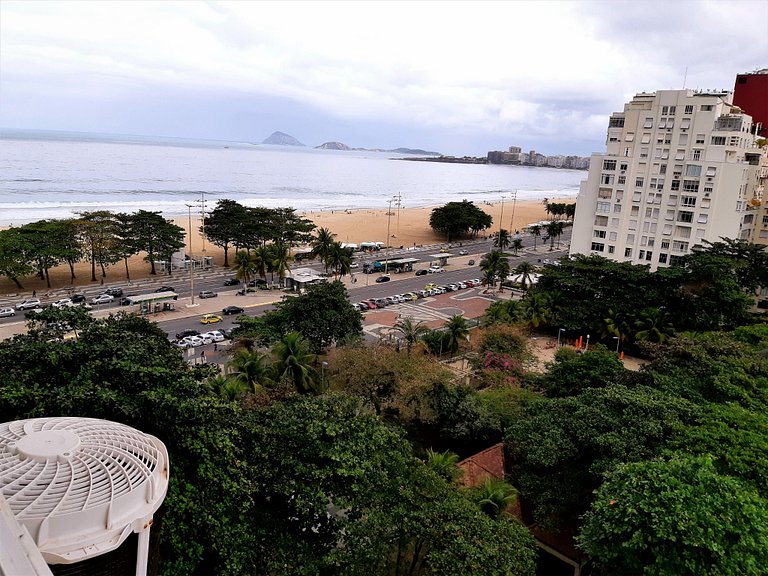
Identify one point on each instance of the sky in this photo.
(459, 78)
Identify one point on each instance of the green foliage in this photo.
(502, 312)
(494, 496)
(456, 219)
(571, 373)
(561, 447)
(294, 364)
(159, 237)
(456, 331)
(444, 464)
(675, 518)
(15, 256)
(323, 315)
(226, 224)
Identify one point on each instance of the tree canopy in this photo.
(458, 219)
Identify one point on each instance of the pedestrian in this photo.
(215, 346)
(34, 293)
(202, 356)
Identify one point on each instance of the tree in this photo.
(525, 270)
(502, 240)
(250, 368)
(457, 331)
(98, 233)
(554, 229)
(323, 315)
(224, 225)
(492, 264)
(288, 229)
(517, 244)
(411, 331)
(653, 325)
(245, 266)
(126, 243)
(456, 219)
(572, 373)
(494, 496)
(15, 261)
(157, 236)
(535, 231)
(339, 259)
(677, 516)
(294, 364)
(537, 308)
(444, 464)
(321, 245)
(280, 259)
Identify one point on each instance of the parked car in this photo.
(477, 281)
(63, 303)
(185, 333)
(231, 282)
(102, 299)
(381, 279)
(190, 342)
(257, 282)
(161, 289)
(462, 285)
(77, 298)
(354, 265)
(115, 292)
(210, 319)
(371, 304)
(206, 338)
(422, 272)
(207, 294)
(126, 300)
(6, 312)
(463, 252)
(215, 336)
(232, 310)
(436, 269)
(381, 302)
(29, 304)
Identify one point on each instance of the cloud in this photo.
(544, 73)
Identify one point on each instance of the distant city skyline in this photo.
(459, 78)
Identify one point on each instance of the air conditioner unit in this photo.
(85, 490)
(706, 194)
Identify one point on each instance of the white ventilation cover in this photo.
(81, 485)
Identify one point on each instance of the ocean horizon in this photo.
(57, 174)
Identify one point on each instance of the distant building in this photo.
(680, 167)
(751, 95)
(515, 155)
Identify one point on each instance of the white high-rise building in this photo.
(679, 168)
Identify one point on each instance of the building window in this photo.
(641, 254)
(648, 123)
(601, 220)
(672, 200)
(649, 255)
(680, 155)
(633, 224)
(639, 182)
(689, 109)
(603, 207)
(718, 140)
(611, 249)
(667, 232)
(683, 141)
(616, 123)
(693, 170)
(765, 220)
(630, 238)
(699, 138)
(614, 222)
(702, 218)
(684, 216)
(607, 179)
(670, 215)
(689, 201)
(672, 110)
(707, 108)
(676, 260)
(711, 171)
(598, 233)
(670, 122)
(616, 208)
(646, 138)
(627, 252)
(690, 186)
(664, 110)
(613, 236)
(662, 123)
(679, 246)
(605, 193)
(696, 154)
(705, 203)
(598, 247)
(644, 152)
(682, 232)
(609, 164)
(686, 123)
(662, 258)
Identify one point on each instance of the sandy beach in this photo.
(407, 226)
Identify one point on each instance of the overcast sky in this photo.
(455, 77)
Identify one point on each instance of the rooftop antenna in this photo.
(685, 77)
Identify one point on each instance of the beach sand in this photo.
(407, 227)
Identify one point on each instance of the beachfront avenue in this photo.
(363, 288)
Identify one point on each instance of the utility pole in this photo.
(389, 217)
(202, 216)
(399, 199)
(190, 260)
(512, 221)
(501, 220)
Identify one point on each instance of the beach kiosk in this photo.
(154, 302)
(441, 258)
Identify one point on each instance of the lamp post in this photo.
(617, 343)
(512, 220)
(389, 217)
(190, 261)
(501, 221)
(398, 204)
(559, 332)
(586, 346)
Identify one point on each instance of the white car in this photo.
(190, 342)
(206, 338)
(102, 299)
(354, 265)
(29, 304)
(435, 270)
(63, 303)
(463, 252)
(214, 335)
(5, 312)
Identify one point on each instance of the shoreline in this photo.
(407, 226)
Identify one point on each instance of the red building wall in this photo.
(751, 95)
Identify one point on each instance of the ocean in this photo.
(58, 174)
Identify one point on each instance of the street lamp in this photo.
(389, 217)
(501, 220)
(190, 261)
(559, 332)
(586, 347)
(512, 220)
(617, 343)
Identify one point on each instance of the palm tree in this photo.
(456, 330)
(535, 232)
(411, 331)
(321, 245)
(244, 265)
(489, 265)
(281, 258)
(444, 464)
(495, 495)
(227, 388)
(654, 326)
(502, 240)
(251, 369)
(517, 244)
(339, 260)
(525, 270)
(293, 362)
(262, 258)
(553, 229)
(536, 309)
(502, 271)
(616, 324)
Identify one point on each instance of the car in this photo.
(77, 298)
(257, 282)
(162, 289)
(371, 304)
(463, 252)
(477, 281)
(6, 312)
(451, 287)
(232, 310)
(29, 304)
(436, 269)
(190, 342)
(115, 292)
(443, 249)
(424, 293)
(363, 306)
(438, 290)
(214, 335)
(231, 282)
(354, 265)
(184, 333)
(210, 319)
(381, 302)
(462, 285)
(469, 283)
(411, 296)
(422, 272)
(381, 279)
(206, 338)
(207, 294)
(63, 303)
(102, 299)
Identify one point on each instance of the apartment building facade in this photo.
(680, 167)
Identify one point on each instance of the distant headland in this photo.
(283, 139)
